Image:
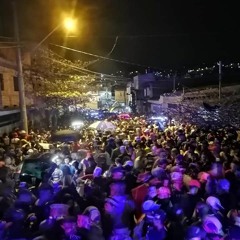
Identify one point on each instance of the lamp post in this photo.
(21, 87)
(68, 23)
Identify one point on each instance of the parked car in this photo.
(34, 168)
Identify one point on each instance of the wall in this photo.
(120, 95)
(10, 97)
(9, 120)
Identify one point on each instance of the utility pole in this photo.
(22, 102)
(219, 80)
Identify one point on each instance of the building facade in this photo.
(9, 94)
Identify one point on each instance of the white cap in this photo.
(214, 203)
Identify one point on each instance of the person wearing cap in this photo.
(164, 198)
(95, 231)
(178, 188)
(227, 199)
(213, 228)
(109, 216)
(146, 220)
(157, 231)
(217, 210)
(191, 198)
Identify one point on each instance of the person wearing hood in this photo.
(213, 228)
(95, 232)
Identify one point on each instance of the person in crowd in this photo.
(140, 182)
(116, 152)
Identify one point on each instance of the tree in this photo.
(51, 77)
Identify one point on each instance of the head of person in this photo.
(177, 177)
(117, 188)
(174, 153)
(58, 161)
(122, 149)
(119, 142)
(69, 225)
(83, 221)
(164, 193)
(117, 173)
(214, 203)
(178, 159)
(212, 226)
(66, 160)
(194, 186)
(25, 197)
(223, 186)
(152, 191)
(58, 211)
(45, 193)
(94, 215)
(162, 163)
(201, 210)
(68, 199)
(111, 205)
(97, 172)
(149, 207)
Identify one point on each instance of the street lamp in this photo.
(69, 24)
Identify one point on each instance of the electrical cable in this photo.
(98, 61)
(87, 71)
(106, 58)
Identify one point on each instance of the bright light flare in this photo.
(77, 124)
(69, 24)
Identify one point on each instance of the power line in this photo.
(83, 70)
(106, 58)
(114, 46)
(87, 71)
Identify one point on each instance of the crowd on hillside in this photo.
(138, 182)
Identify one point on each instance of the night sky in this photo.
(155, 33)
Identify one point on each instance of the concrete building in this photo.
(9, 94)
(143, 88)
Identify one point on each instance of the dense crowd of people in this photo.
(138, 182)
